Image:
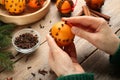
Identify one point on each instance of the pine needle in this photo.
(5, 41)
(5, 35)
(5, 61)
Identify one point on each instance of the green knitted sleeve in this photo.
(115, 59)
(85, 76)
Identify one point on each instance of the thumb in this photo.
(54, 48)
(82, 33)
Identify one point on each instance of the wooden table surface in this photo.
(35, 66)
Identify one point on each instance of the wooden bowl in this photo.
(25, 18)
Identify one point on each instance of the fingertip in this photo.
(51, 42)
(64, 18)
(48, 37)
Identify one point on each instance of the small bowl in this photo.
(28, 50)
(25, 18)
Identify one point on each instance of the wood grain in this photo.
(98, 63)
(27, 67)
(39, 59)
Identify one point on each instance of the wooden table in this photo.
(35, 66)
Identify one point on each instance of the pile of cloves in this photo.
(26, 40)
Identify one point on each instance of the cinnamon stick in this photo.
(93, 14)
(86, 10)
(100, 14)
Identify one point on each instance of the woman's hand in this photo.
(63, 63)
(96, 31)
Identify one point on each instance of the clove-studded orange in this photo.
(95, 4)
(62, 34)
(65, 6)
(2, 2)
(35, 3)
(15, 6)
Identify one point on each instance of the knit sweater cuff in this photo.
(115, 59)
(84, 76)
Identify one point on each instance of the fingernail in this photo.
(64, 19)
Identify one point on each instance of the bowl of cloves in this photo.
(26, 40)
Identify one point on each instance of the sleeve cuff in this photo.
(84, 76)
(115, 59)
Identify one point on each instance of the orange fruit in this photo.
(35, 3)
(95, 4)
(2, 2)
(62, 34)
(64, 6)
(15, 6)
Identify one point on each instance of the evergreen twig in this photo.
(5, 41)
(5, 60)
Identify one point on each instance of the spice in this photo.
(100, 14)
(50, 21)
(29, 27)
(89, 12)
(27, 58)
(41, 26)
(9, 78)
(86, 10)
(80, 13)
(43, 72)
(51, 72)
(33, 74)
(29, 67)
(65, 22)
(26, 41)
(93, 14)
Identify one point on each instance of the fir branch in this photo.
(5, 41)
(1, 23)
(7, 27)
(5, 34)
(5, 61)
